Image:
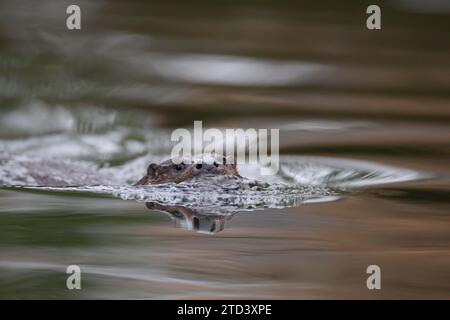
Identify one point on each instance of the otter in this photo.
(181, 169)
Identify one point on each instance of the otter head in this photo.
(178, 170)
(169, 172)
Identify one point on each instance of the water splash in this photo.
(104, 156)
(299, 180)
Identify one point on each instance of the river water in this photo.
(364, 143)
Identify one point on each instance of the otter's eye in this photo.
(199, 166)
(215, 163)
(178, 167)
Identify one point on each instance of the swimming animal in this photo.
(181, 169)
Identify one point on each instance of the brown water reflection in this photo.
(312, 251)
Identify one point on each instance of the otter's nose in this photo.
(208, 167)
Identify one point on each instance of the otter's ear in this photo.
(152, 170)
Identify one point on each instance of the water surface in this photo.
(364, 143)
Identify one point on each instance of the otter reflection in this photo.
(193, 219)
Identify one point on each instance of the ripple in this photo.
(300, 180)
(230, 70)
(339, 173)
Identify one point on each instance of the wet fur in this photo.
(167, 172)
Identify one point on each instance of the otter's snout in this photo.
(210, 167)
